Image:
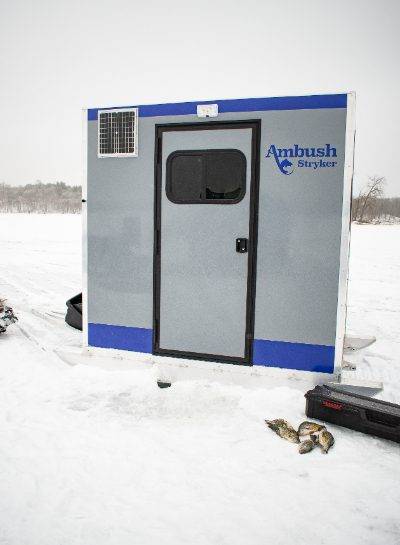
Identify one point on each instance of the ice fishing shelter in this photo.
(219, 230)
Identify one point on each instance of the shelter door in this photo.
(205, 240)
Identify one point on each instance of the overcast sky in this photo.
(58, 56)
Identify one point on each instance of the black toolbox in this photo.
(354, 411)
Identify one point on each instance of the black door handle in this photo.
(241, 245)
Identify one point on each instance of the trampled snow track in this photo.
(44, 332)
(52, 317)
(47, 321)
(47, 329)
(39, 271)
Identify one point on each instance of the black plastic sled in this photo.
(357, 412)
(74, 312)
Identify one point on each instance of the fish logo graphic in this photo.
(284, 165)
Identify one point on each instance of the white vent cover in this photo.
(118, 132)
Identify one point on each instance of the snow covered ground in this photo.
(90, 456)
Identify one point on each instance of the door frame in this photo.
(255, 126)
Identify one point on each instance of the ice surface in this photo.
(90, 456)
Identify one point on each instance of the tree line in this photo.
(370, 205)
(41, 198)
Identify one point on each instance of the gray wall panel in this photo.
(120, 233)
(299, 231)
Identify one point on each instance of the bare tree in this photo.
(366, 204)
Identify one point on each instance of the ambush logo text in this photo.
(287, 159)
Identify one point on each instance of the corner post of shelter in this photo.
(85, 340)
(346, 232)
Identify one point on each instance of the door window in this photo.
(206, 176)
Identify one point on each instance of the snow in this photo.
(374, 302)
(92, 456)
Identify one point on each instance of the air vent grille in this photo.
(117, 135)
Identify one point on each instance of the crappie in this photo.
(325, 440)
(306, 446)
(306, 428)
(283, 429)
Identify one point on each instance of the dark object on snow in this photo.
(74, 312)
(357, 412)
(7, 316)
(161, 384)
(283, 429)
